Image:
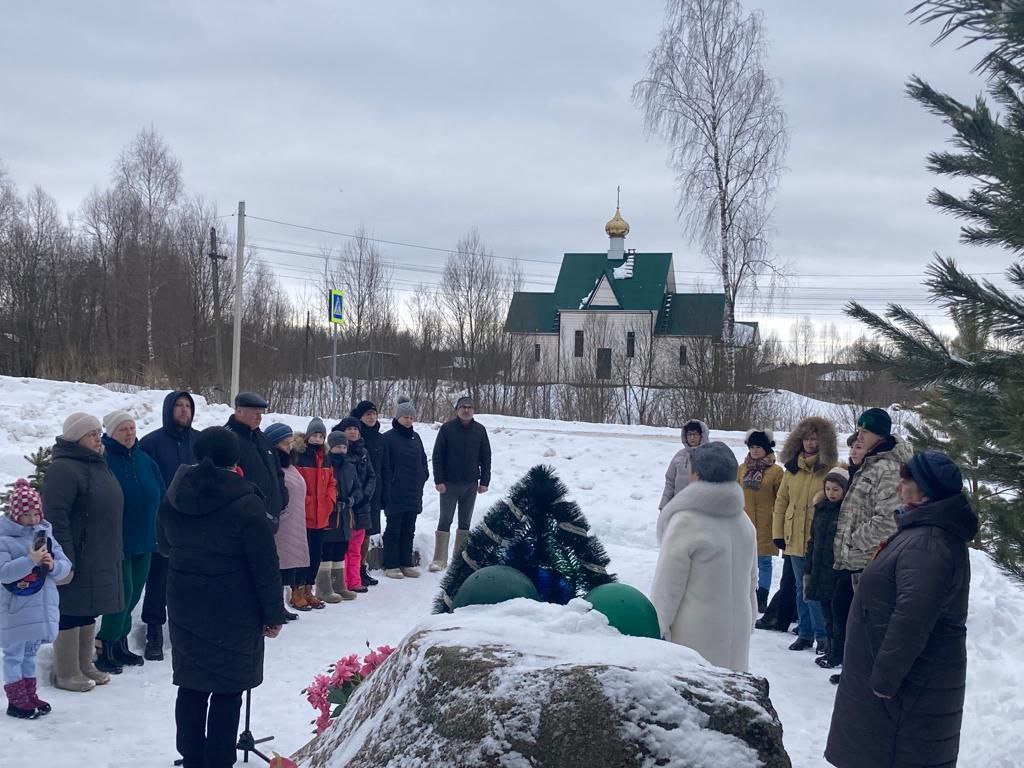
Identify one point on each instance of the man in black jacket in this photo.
(258, 459)
(213, 529)
(170, 446)
(462, 469)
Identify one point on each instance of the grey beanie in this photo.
(316, 427)
(405, 407)
(336, 438)
(714, 462)
(78, 425)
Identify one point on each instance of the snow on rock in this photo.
(536, 684)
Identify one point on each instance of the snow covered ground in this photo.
(614, 472)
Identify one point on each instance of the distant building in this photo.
(618, 308)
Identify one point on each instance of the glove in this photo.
(780, 543)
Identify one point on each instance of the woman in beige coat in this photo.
(809, 453)
(760, 477)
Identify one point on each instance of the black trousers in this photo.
(398, 536)
(842, 599)
(293, 577)
(315, 540)
(782, 608)
(154, 602)
(334, 551)
(207, 727)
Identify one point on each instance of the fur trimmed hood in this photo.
(705, 433)
(828, 449)
(711, 499)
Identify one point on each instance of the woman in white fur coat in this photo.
(705, 580)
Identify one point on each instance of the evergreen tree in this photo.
(40, 461)
(537, 531)
(974, 409)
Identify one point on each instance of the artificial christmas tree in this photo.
(537, 532)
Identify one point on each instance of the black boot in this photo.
(154, 650)
(105, 661)
(289, 615)
(821, 648)
(366, 578)
(801, 644)
(124, 656)
(834, 679)
(762, 599)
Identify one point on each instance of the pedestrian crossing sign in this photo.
(336, 307)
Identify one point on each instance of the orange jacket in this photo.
(321, 487)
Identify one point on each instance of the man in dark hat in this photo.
(867, 517)
(258, 459)
(462, 469)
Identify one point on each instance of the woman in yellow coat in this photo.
(760, 478)
(809, 453)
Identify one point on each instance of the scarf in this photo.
(756, 468)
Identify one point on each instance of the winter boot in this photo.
(154, 650)
(801, 644)
(312, 600)
(124, 656)
(338, 581)
(18, 703)
(821, 648)
(105, 659)
(440, 561)
(409, 572)
(67, 674)
(365, 578)
(42, 707)
(461, 534)
(394, 573)
(834, 679)
(762, 599)
(298, 598)
(86, 653)
(324, 590)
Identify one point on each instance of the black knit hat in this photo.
(363, 407)
(219, 445)
(936, 475)
(349, 421)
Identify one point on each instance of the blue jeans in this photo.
(20, 660)
(764, 571)
(812, 623)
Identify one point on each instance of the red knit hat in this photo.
(24, 499)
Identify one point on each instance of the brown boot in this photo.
(311, 599)
(298, 599)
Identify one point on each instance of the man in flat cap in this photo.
(258, 459)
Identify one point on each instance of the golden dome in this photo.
(616, 226)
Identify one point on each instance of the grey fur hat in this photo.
(714, 462)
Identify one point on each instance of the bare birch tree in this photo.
(707, 94)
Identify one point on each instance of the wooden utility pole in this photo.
(216, 259)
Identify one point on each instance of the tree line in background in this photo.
(123, 290)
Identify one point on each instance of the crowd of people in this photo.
(224, 534)
(876, 574)
(229, 533)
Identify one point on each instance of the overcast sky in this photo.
(419, 120)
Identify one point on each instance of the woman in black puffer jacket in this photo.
(404, 477)
(901, 695)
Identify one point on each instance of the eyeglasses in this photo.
(94, 434)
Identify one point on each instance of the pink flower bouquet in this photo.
(329, 693)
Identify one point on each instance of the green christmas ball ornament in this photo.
(627, 609)
(494, 584)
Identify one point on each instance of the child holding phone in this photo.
(31, 564)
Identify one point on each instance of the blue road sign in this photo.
(336, 307)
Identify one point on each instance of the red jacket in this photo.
(321, 487)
